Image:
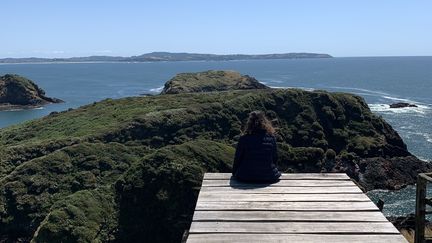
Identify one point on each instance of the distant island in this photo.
(18, 92)
(167, 56)
(210, 81)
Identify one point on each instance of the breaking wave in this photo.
(420, 109)
(158, 90)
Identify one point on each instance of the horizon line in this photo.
(203, 53)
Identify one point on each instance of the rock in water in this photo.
(210, 81)
(402, 105)
(20, 92)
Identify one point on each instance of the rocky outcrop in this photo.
(20, 92)
(391, 173)
(402, 105)
(210, 81)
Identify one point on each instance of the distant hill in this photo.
(167, 56)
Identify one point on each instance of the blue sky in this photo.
(60, 28)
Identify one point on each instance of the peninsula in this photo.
(166, 56)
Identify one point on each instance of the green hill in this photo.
(129, 170)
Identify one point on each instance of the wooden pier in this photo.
(299, 208)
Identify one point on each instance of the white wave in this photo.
(13, 110)
(399, 99)
(157, 89)
(268, 80)
(423, 158)
(407, 127)
(23, 109)
(428, 137)
(289, 87)
(417, 133)
(281, 87)
(420, 109)
(381, 94)
(360, 89)
(277, 81)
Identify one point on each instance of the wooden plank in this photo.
(281, 190)
(299, 208)
(329, 216)
(282, 183)
(291, 238)
(288, 206)
(294, 227)
(256, 197)
(287, 176)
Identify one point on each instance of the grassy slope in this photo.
(143, 158)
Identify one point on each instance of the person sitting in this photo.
(256, 153)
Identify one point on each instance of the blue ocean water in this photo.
(380, 80)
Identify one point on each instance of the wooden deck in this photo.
(299, 208)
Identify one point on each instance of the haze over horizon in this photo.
(339, 28)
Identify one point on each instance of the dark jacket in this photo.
(256, 158)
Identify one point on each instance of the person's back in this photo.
(256, 153)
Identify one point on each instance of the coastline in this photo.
(161, 61)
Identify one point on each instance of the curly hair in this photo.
(257, 122)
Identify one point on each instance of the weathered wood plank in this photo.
(256, 197)
(291, 238)
(281, 190)
(328, 216)
(288, 206)
(282, 183)
(294, 227)
(299, 208)
(287, 176)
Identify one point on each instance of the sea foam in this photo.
(158, 90)
(23, 109)
(289, 87)
(420, 109)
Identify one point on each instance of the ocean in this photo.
(380, 80)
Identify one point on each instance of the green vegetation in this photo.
(85, 216)
(129, 170)
(210, 81)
